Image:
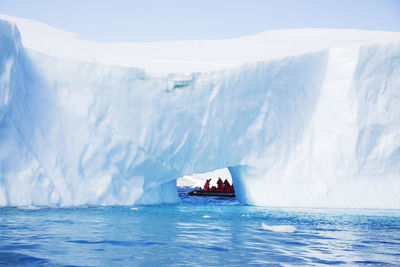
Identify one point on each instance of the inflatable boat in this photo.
(199, 192)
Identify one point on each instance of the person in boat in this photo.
(207, 185)
(219, 183)
(221, 186)
(227, 185)
(232, 189)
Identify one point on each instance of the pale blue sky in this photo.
(152, 20)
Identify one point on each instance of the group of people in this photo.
(222, 186)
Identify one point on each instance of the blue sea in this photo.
(199, 231)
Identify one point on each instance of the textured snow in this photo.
(305, 117)
(192, 56)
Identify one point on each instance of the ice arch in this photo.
(315, 129)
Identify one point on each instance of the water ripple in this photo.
(179, 235)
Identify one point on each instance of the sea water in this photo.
(199, 231)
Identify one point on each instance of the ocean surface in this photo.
(200, 231)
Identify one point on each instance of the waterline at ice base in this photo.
(301, 118)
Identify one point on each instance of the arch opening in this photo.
(189, 183)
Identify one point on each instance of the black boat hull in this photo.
(204, 193)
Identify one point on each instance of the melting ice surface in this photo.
(306, 118)
(197, 232)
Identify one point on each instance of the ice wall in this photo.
(348, 153)
(318, 129)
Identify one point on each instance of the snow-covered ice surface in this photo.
(306, 117)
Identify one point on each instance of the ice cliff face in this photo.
(316, 125)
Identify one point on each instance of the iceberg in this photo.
(279, 228)
(301, 118)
